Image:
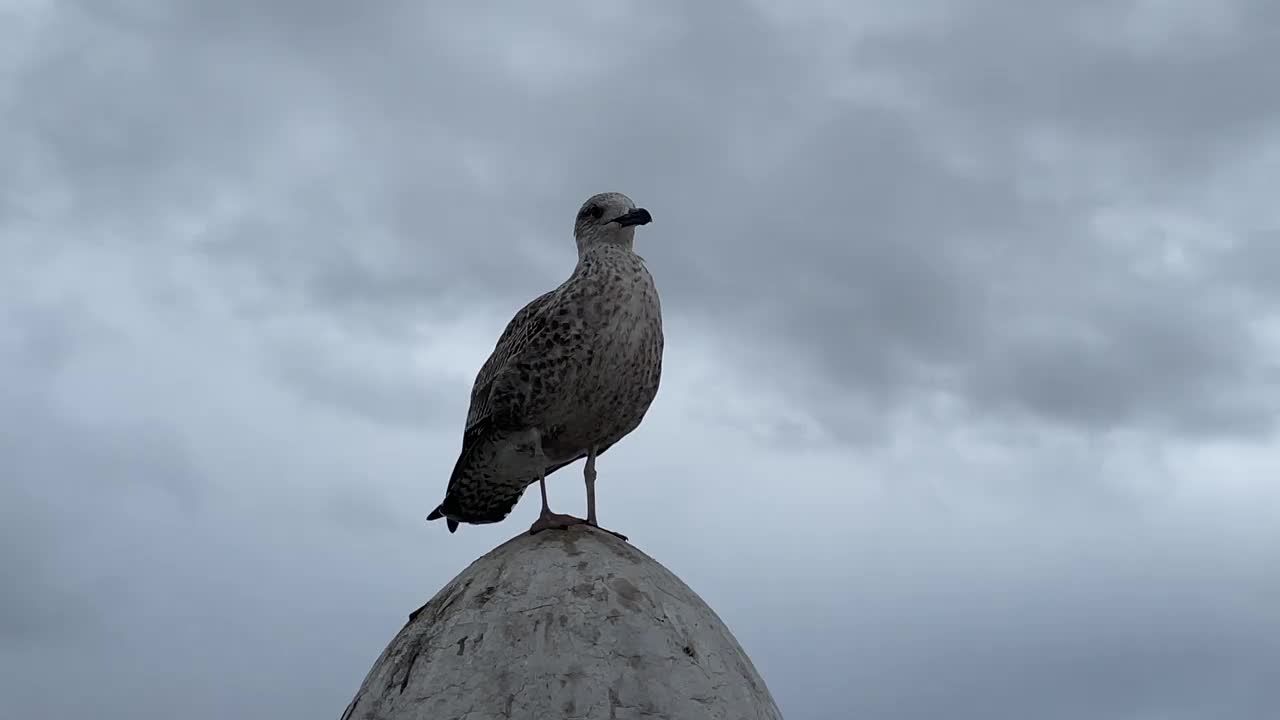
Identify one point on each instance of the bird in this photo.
(574, 371)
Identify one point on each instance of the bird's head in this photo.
(608, 218)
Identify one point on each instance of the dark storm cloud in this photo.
(1177, 89)
(974, 205)
(423, 167)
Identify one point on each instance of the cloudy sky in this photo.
(972, 309)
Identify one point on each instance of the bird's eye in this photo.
(596, 211)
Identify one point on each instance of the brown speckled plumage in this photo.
(574, 372)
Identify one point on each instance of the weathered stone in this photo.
(568, 623)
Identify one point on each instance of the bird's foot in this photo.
(554, 521)
(618, 535)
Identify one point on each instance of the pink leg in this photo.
(589, 474)
(548, 520)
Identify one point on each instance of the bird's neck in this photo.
(621, 242)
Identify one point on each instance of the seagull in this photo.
(573, 373)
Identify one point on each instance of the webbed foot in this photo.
(554, 521)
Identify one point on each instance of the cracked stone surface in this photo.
(568, 623)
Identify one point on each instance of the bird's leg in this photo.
(589, 474)
(547, 519)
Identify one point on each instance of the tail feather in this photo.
(439, 513)
(491, 474)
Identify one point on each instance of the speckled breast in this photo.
(619, 376)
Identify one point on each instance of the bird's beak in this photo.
(639, 216)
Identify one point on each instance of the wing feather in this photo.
(527, 323)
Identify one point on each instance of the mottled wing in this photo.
(526, 325)
(522, 377)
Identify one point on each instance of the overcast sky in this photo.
(972, 308)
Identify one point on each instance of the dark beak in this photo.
(639, 216)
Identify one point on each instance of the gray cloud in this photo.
(1017, 628)
(966, 301)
